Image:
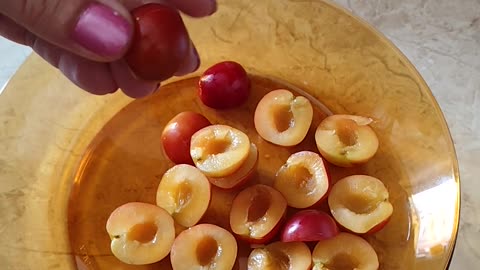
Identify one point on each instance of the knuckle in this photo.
(38, 12)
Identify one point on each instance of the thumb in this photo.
(99, 31)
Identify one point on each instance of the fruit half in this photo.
(219, 150)
(302, 180)
(346, 140)
(184, 192)
(282, 118)
(360, 203)
(141, 233)
(345, 251)
(204, 246)
(281, 256)
(257, 212)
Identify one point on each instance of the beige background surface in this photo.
(442, 39)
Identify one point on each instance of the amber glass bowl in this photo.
(54, 135)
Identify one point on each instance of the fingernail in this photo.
(190, 63)
(102, 30)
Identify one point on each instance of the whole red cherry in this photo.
(160, 42)
(309, 226)
(177, 134)
(224, 85)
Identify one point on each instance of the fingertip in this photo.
(129, 84)
(90, 76)
(190, 63)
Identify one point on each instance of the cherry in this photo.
(177, 135)
(309, 225)
(224, 85)
(160, 42)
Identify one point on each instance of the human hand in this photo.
(86, 40)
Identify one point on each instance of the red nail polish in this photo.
(102, 30)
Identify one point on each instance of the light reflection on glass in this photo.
(435, 208)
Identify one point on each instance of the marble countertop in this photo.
(442, 39)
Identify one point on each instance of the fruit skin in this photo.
(344, 244)
(224, 85)
(379, 227)
(346, 140)
(185, 193)
(241, 176)
(184, 250)
(309, 225)
(280, 256)
(372, 231)
(120, 226)
(160, 42)
(367, 188)
(282, 118)
(287, 180)
(177, 134)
